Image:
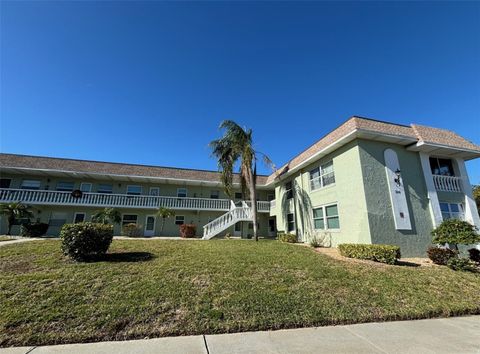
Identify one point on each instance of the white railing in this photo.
(44, 197)
(262, 206)
(272, 204)
(243, 213)
(447, 183)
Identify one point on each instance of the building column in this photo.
(471, 211)
(433, 203)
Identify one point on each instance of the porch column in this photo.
(471, 212)
(433, 203)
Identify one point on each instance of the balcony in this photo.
(447, 183)
(43, 197)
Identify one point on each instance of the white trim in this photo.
(134, 185)
(321, 174)
(325, 222)
(147, 232)
(175, 221)
(123, 215)
(78, 213)
(471, 211)
(433, 205)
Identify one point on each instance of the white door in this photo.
(149, 225)
(238, 229)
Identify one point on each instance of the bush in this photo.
(86, 240)
(440, 255)
(188, 230)
(463, 264)
(290, 238)
(34, 230)
(132, 230)
(454, 231)
(379, 253)
(474, 255)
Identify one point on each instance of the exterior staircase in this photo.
(236, 214)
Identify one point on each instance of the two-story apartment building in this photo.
(367, 181)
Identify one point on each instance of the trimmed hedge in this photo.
(379, 253)
(290, 238)
(188, 230)
(86, 240)
(462, 264)
(440, 256)
(132, 230)
(34, 230)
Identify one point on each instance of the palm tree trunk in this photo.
(253, 198)
(10, 224)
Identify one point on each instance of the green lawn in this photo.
(5, 238)
(160, 288)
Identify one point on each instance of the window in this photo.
(57, 218)
(181, 192)
(129, 219)
(290, 222)
(214, 194)
(443, 167)
(322, 176)
(86, 187)
(452, 211)
(179, 219)
(105, 188)
(65, 186)
(238, 227)
(30, 184)
(155, 191)
(78, 217)
(5, 182)
(238, 195)
(134, 190)
(289, 190)
(326, 218)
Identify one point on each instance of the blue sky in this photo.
(149, 82)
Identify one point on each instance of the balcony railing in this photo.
(447, 183)
(262, 206)
(43, 197)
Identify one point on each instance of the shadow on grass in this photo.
(407, 264)
(126, 257)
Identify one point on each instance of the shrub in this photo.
(132, 230)
(454, 231)
(34, 230)
(84, 241)
(290, 238)
(188, 230)
(379, 253)
(474, 254)
(463, 264)
(440, 255)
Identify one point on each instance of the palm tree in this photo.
(13, 212)
(107, 216)
(236, 147)
(164, 213)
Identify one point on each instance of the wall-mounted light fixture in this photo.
(398, 177)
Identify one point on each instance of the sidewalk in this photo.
(20, 240)
(449, 335)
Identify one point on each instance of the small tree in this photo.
(13, 212)
(476, 196)
(107, 216)
(454, 232)
(164, 213)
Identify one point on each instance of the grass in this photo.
(160, 288)
(6, 238)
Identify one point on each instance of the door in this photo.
(238, 229)
(149, 226)
(272, 229)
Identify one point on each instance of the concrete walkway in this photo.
(449, 335)
(19, 240)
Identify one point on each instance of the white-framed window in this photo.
(105, 188)
(289, 190)
(65, 186)
(134, 189)
(86, 187)
(155, 191)
(5, 182)
(57, 218)
(442, 167)
(214, 194)
(179, 219)
(326, 217)
(182, 192)
(129, 219)
(290, 222)
(322, 176)
(78, 217)
(452, 211)
(238, 227)
(30, 184)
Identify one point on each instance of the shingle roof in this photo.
(111, 168)
(413, 132)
